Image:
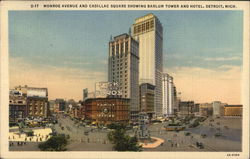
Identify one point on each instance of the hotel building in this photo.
(148, 31)
(124, 69)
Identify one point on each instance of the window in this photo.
(117, 48)
(126, 48)
(151, 24)
(147, 25)
(113, 50)
(122, 47)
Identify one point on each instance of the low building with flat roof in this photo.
(233, 110)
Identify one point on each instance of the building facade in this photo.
(17, 106)
(124, 69)
(148, 31)
(206, 109)
(60, 105)
(37, 106)
(168, 95)
(147, 95)
(233, 110)
(186, 108)
(107, 110)
(34, 102)
(218, 108)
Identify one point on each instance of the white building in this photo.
(124, 69)
(147, 30)
(218, 108)
(168, 99)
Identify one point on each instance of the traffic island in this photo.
(153, 142)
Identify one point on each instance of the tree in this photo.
(123, 142)
(55, 143)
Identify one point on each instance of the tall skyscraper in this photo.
(124, 69)
(148, 31)
(168, 95)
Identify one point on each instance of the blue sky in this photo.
(79, 39)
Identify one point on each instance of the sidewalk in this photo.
(40, 135)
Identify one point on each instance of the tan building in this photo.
(124, 69)
(147, 95)
(233, 110)
(36, 101)
(148, 31)
(206, 109)
(17, 106)
(37, 107)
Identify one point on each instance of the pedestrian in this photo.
(30, 138)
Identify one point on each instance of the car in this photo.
(199, 145)
(187, 133)
(217, 134)
(86, 132)
(203, 135)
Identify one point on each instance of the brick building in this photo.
(107, 110)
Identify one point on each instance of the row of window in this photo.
(18, 102)
(119, 48)
(144, 27)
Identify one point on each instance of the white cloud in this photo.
(235, 58)
(62, 82)
(206, 85)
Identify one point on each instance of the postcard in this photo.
(124, 79)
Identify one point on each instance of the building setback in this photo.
(124, 69)
(147, 30)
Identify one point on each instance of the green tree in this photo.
(123, 142)
(55, 143)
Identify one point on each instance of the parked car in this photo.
(217, 134)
